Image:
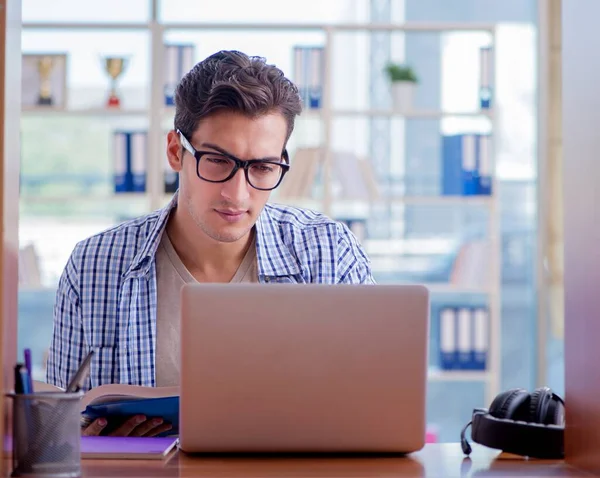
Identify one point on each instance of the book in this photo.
(118, 448)
(127, 448)
(120, 401)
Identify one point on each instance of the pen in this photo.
(19, 385)
(25, 380)
(29, 370)
(76, 382)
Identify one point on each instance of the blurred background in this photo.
(429, 128)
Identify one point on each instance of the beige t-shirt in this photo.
(171, 275)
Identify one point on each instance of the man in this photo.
(119, 292)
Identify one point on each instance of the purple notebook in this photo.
(102, 447)
(123, 448)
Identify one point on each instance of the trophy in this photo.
(114, 67)
(44, 66)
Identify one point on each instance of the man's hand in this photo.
(136, 426)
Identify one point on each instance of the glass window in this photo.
(67, 184)
(115, 11)
(261, 11)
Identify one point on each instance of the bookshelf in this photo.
(157, 114)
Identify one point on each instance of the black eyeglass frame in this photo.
(239, 164)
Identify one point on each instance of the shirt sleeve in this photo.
(67, 345)
(353, 264)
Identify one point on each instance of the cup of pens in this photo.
(46, 434)
(46, 430)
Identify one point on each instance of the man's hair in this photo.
(234, 81)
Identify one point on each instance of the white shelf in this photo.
(333, 27)
(308, 113)
(480, 200)
(416, 114)
(84, 26)
(439, 375)
(406, 27)
(448, 288)
(81, 198)
(300, 202)
(49, 111)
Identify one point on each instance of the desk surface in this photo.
(439, 460)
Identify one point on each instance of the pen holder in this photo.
(46, 434)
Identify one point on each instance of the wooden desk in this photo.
(439, 460)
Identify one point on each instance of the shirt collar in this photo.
(273, 255)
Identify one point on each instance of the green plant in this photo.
(399, 72)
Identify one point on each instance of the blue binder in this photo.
(485, 77)
(447, 338)
(460, 175)
(179, 59)
(130, 153)
(122, 170)
(484, 165)
(451, 165)
(464, 326)
(138, 152)
(481, 330)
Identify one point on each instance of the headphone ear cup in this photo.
(545, 407)
(538, 397)
(511, 405)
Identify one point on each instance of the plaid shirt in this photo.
(106, 297)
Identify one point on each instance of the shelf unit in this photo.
(156, 114)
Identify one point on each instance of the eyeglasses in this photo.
(262, 174)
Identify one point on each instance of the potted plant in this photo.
(404, 81)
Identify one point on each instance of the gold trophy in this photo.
(114, 67)
(45, 65)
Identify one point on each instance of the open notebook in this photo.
(121, 401)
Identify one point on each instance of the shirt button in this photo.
(267, 279)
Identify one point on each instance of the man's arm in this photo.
(353, 264)
(68, 349)
(67, 346)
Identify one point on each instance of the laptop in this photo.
(303, 368)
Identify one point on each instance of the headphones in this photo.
(522, 423)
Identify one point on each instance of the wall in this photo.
(581, 143)
(10, 87)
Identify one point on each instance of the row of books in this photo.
(130, 150)
(467, 165)
(308, 73)
(464, 338)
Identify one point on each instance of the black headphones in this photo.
(521, 423)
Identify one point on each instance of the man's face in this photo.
(226, 212)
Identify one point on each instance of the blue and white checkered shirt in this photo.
(106, 298)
